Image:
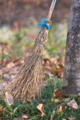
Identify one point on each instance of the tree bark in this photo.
(71, 81)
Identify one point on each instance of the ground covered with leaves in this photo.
(15, 44)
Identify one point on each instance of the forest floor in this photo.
(15, 43)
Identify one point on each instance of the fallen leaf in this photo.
(61, 74)
(1, 72)
(25, 116)
(47, 62)
(62, 107)
(1, 108)
(78, 95)
(41, 108)
(10, 65)
(1, 118)
(58, 67)
(71, 118)
(58, 93)
(73, 104)
(55, 100)
(9, 98)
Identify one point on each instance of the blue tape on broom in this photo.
(54, 1)
(44, 24)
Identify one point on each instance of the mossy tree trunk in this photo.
(71, 81)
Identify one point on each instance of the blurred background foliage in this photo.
(18, 26)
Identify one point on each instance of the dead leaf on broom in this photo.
(73, 104)
(9, 98)
(61, 107)
(40, 107)
(71, 118)
(58, 93)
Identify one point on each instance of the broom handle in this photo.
(51, 9)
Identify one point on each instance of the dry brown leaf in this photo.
(61, 74)
(48, 68)
(55, 100)
(47, 62)
(1, 72)
(1, 118)
(41, 108)
(58, 93)
(1, 108)
(78, 95)
(61, 65)
(53, 60)
(9, 98)
(71, 118)
(10, 65)
(62, 107)
(73, 104)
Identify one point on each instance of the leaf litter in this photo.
(51, 66)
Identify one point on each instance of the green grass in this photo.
(30, 108)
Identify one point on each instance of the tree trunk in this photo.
(71, 81)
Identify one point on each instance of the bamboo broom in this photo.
(27, 84)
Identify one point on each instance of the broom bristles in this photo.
(28, 81)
